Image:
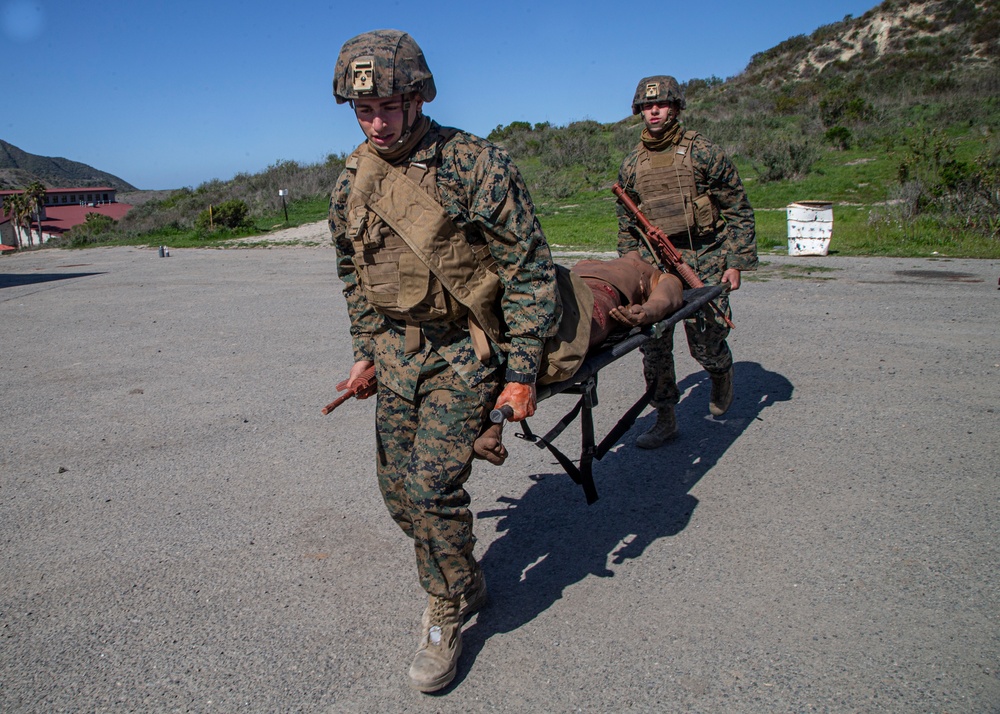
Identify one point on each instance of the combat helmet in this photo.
(382, 63)
(658, 88)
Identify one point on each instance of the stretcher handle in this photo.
(504, 413)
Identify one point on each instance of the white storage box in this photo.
(810, 227)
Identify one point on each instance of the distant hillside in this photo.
(894, 38)
(19, 168)
(894, 116)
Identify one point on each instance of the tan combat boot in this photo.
(722, 392)
(436, 661)
(663, 430)
(476, 597)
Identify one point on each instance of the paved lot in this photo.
(182, 530)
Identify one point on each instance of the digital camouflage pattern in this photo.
(734, 246)
(658, 88)
(432, 403)
(424, 460)
(716, 175)
(483, 192)
(382, 63)
(706, 337)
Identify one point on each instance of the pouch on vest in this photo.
(706, 215)
(414, 281)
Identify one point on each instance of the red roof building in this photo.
(64, 208)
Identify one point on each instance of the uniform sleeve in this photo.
(499, 205)
(364, 320)
(718, 175)
(628, 229)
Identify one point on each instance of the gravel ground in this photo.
(182, 530)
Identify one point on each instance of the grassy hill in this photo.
(893, 116)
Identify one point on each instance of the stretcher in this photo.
(584, 383)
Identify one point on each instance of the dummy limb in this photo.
(521, 398)
(517, 401)
(666, 297)
(490, 446)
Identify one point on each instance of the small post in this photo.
(284, 192)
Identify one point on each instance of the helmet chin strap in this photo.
(407, 124)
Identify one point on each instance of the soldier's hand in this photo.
(356, 371)
(732, 278)
(520, 398)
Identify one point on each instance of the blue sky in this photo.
(172, 94)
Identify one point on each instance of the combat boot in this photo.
(722, 392)
(663, 430)
(436, 661)
(476, 597)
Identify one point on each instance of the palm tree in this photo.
(35, 196)
(15, 205)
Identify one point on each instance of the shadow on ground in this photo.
(551, 539)
(13, 280)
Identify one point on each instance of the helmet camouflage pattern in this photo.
(382, 63)
(658, 88)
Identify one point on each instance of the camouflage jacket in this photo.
(482, 191)
(715, 174)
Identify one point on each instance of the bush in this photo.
(839, 136)
(781, 160)
(231, 214)
(95, 229)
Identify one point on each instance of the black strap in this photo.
(584, 475)
(623, 425)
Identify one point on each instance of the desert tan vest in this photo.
(665, 183)
(414, 264)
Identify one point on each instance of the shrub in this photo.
(94, 229)
(781, 160)
(839, 136)
(231, 214)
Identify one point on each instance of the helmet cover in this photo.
(657, 89)
(382, 63)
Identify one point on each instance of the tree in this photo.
(17, 206)
(35, 196)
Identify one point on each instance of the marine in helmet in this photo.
(687, 187)
(451, 291)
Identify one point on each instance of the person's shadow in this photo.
(551, 539)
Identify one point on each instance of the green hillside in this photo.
(892, 116)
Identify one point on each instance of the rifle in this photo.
(364, 386)
(666, 249)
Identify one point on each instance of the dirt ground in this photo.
(183, 530)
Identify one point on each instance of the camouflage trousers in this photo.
(706, 336)
(424, 458)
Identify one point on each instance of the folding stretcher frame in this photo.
(584, 383)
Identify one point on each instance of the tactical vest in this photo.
(665, 183)
(414, 264)
(395, 281)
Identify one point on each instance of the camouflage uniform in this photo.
(733, 245)
(433, 403)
